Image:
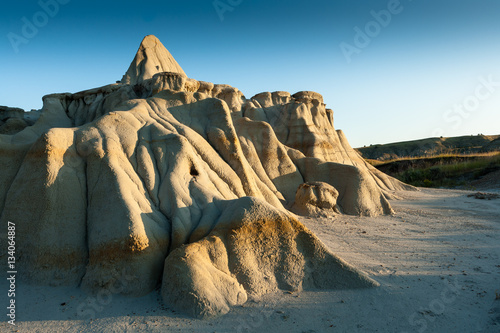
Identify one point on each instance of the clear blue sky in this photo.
(421, 72)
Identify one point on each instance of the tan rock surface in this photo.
(254, 249)
(151, 58)
(162, 174)
(316, 198)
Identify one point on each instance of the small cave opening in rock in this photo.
(193, 171)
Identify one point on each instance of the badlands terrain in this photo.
(437, 260)
(165, 203)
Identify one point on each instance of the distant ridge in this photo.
(432, 147)
(151, 58)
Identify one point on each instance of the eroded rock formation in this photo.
(316, 199)
(180, 182)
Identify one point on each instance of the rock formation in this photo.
(180, 182)
(316, 198)
(151, 58)
(14, 120)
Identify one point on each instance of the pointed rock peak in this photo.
(151, 58)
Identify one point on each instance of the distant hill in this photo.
(471, 162)
(462, 145)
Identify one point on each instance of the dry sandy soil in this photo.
(437, 260)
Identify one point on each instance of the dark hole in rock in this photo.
(193, 171)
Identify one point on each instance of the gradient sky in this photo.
(430, 69)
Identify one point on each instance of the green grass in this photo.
(441, 171)
(432, 156)
(432, 147)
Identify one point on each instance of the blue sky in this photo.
(424, 68)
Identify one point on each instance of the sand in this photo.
(437, 260)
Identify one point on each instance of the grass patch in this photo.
(432, 147)
(445, 170)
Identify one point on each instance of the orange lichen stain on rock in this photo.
(263, 229)
(120, 250)
(46, 152)
(223, 141)
(267, 249)
(324, 145)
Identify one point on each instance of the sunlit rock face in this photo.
(151, 58)
(180, 182)
(316, 199)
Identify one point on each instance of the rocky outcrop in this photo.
(316, 198)
(151, 58)
(14, 120)
(253, 250)
(184, 183)
(7, 112)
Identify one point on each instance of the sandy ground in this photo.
(437, 260)
(489, 182)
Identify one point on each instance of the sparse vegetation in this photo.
(446, 170)
(433, 147)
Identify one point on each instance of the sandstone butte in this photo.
(181, 183)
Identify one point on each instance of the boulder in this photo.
(316, 198)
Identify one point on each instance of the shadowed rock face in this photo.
(180, 182)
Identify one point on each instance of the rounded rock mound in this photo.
(317, 199)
